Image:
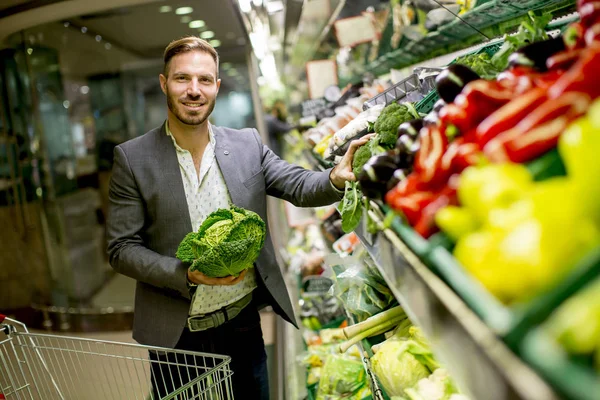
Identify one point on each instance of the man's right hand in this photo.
(199, 278)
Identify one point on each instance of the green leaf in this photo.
(351, 207)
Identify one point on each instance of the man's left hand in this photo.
(343, 171)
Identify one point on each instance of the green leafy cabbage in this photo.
(228, 242)
(403, 360)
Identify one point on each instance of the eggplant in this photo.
(405, 143)
(376, 173)
(398, 176)
(410, 128)
(431, 119)
(439, 105)
(451, 81)
(536, 54)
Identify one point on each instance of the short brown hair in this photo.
(187, 44)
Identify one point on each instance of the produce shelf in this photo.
(481, 364)
(491, 19)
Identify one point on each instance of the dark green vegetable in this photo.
(390, 119)
(481, 64)
(535, 54)
(530, 31)
(364, 153)
(351, 207)
(451, 81)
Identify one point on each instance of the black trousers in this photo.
(240, 338)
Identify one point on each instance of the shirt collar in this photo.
(211, 136)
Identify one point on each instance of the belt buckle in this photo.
(190, 325)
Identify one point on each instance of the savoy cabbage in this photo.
(227, 242)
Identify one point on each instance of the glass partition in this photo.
(71, 91)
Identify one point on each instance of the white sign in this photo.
(320, 74)
(355, 30)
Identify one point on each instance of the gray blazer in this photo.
(148, 217)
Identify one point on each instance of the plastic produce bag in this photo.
(362, 290)
(342, 377)
(353, 130)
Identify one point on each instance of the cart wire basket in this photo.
(42, 366)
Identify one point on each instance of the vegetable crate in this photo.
(574, 378)
(528, 5)
(395, 93)
(42, 366)
(426, 104)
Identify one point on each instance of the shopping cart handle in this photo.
(2, 317)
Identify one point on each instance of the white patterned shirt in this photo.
(204, 194)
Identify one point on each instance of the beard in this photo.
(190, 117)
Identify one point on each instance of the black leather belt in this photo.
(218, 317)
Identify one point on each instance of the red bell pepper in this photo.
(518, 79)
(538, 132)
(411, 184)
(564, 60)
(484, 97)
(582, 77)
(589, 13)
(477, 100)
(426, 225)
(453, 115)
(592, 34)
(468, 154)
(509, 115)
(411, 205)
(429, 157)
(536, 142)
(573, 36)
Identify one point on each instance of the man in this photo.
(277, 126)
(164, 184)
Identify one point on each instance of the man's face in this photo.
(191, 86)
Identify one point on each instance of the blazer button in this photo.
(226, 152)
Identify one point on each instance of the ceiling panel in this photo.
(148, 31)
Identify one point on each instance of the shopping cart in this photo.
(42, 366)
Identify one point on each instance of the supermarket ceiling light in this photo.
(184, 10)
(245, 6)
(274, 6)
(258, 44)
(215, 43)
(165, 9)
(185, 19)
(197, 24)
(207, 35)
(257, 3)
(269, 69)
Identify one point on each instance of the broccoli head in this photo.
(364, 153)
(390, 119)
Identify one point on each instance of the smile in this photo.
(193, 105)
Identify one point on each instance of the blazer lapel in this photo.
(229, 168)
(172, 175)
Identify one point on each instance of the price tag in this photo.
(320, 74)
(355, 30)
(316, 284)
(312, 107)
